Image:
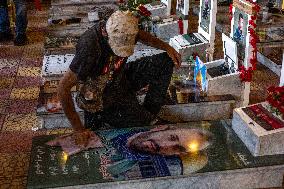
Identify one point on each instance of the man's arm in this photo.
(64, 93)
(148, 39)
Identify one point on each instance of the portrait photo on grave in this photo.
(161, 151)
(170, 141)
(230, 53)
(205, 15)
(240, 30)
(180, 6)
(134, 153)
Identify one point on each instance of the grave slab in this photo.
(207, 108)
(261, 137)
(226, 163)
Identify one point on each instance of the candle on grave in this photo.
(63, 159)
(193, 146)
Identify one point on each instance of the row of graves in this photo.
(205, 94)
(271, 30)
(68, 20)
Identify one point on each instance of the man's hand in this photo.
(83, 137)
(175, 56)
(64, 94)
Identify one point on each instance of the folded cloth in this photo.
(69, 146)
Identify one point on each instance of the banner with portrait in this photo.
(205, 15)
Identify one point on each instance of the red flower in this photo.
(269, 99)
(276, 103)
(246, 74)
(252, 23)
(256, 8)
(279, 89)
(253, 42)
(271, 89)
(276, 97)
(282, 99)
(231, 11)
(281, 109)
(253, 17)
(253, 62)
(144, 11)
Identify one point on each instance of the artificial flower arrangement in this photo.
(137, 8)
(276, 100)
(246, 73)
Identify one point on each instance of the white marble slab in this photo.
(141, 53)
(57, 120)
(197, 111)
(185, 49)
(269, 64)
(166, 30)
(54, 66)
(157, 9)
(53, 120)
(259, 141)
(81, 2)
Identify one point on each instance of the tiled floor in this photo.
(20, 69)
(20, 80)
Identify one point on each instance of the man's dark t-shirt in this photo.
(120, 105)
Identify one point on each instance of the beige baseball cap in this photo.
(122, 29)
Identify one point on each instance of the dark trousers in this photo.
(154, 71)
(21, 17)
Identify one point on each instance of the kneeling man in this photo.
(108, 85)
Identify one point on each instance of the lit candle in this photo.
(63, 159)
(193, 146)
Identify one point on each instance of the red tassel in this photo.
(253, 62)
(180, 25)
(37, 5)
(194, 55)
(231, 11)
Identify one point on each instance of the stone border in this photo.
(263, 177)
(269, 64)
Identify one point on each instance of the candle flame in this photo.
(193, 146)
(64, 158)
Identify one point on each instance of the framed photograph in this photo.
(230, 53)
(182, 8)
(180, 5)
(205, 15)
(240, 24)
